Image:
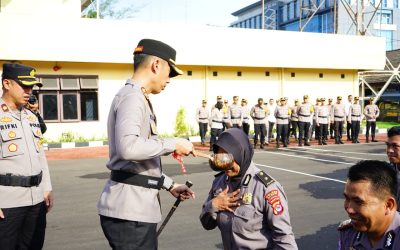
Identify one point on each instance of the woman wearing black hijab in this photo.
(248, 206)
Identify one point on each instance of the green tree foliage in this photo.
(181, 128)
(112, 9)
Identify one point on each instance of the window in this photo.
(293, 74)
(321, 75)
(266, 73)
(189, 73)
(342, 76)
(215, 73)
(68, 98)
(384, 18)
(239, 73)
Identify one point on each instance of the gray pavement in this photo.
(313, 179)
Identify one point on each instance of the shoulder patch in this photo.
(344, 225)
(265, 178)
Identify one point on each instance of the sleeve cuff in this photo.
(210, 209)
(168, 182)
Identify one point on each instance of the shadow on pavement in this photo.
(324, 238)
(324, 189)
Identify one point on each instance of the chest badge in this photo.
(12, 134)
(5, 119)
(12, 147)
(247, 198)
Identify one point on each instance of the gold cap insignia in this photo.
(12, 134)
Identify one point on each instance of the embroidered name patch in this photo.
(274, 200)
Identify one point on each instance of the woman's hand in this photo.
(224, 201)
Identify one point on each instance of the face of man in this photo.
(393, 149)
(204, 104)
(260, 102)
(339, 101)
(305, 100)
(365, 209)
(161, 70)
(350, 98)
(235, 100)
(16, 94)
(271, 102)
(243, 103)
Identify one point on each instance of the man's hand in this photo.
(183, 147)
(182, 191)
(224, 200)
(34, 107)
(49, 200)
(1, 214)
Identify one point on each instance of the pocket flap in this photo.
(8, 135)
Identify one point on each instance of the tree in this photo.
(112, 9)
(181, 128)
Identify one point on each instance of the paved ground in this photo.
(313, 179)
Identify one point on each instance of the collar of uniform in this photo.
(6, 109)
(387, 241)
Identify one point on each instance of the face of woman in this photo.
(235, 168)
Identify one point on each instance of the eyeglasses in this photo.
(392, 145)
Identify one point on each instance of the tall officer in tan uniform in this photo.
(348, 124)
(235, 113)
(314, 127)
(259, 113)
(246, 116)
(331, 123)
(25, 186)
(304, 112)
(202, 117)
(227, 122)
(354, 118)
(322, 119)
(371, 112)
(338, 115)
(282, 114)
(129, 206)
(294, 119)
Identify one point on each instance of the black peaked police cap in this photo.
(161, 50)
(20, 73)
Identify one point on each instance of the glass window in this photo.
(384, 3)
(70, 106)
(69, 83)
(88, 83)
(49, 103)
(89, 107)
(49, 82)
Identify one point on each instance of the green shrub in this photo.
(181, 128)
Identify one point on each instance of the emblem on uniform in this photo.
(247, 180)
(12, 147)
(32, 118)
(12, 134)
(274, 200)
(4, 108)
(389, 240)
(5, 119)
(247, 198)
(38, 132)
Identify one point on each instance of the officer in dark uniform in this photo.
(25, 186)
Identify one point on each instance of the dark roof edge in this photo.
(238, 12)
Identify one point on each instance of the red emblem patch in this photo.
(274, 200)
(4, 107)
(138, 49)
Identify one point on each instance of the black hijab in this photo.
(236, 142)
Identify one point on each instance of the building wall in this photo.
(41, 8)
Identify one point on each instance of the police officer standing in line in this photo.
(314, 127)
(331, 123)
(282, 114)
(25, 185)
(354, 118)
(202, 118)
(294, 119)
(370, 202)
(322, 120)
(348, 124)
(129, 206)
(271, 119)
(216, 122)
(227, 122)
(371, 112)
(235, 113)
(259, 113)
(338, 115)
(304, 112)
(246, 116)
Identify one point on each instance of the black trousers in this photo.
(323, 131)
(371, 125)
(23, 228)
(203, 131)
(348, 131)
(303, 130)
(293, 128)
(338, 130)
(270, 128)
(246, 128)
(235, 125)
(215, 133)
(355, 130)
(282, 132)
(128, 235)
(259, 129)
(331, 128)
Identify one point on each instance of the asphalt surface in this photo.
(313, 178)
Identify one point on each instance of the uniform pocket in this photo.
(11, 141)
(246, 219)
(37, 138)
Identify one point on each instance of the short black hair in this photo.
(393, 131)
(139, 59)
(381, 174)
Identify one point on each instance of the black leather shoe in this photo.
(307, 144)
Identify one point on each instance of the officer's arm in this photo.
(130, 145)
(208, 216)
(377, 112)
(349, 114)
(278, 219)
(252, 113)
(197, 115)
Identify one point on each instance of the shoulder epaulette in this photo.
(220, 173)
(265, 178)
(346, 224)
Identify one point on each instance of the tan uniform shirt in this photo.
(216, 118)
(134, 147)
(371, 112)
(282, 114)
(304, 112)
(246, 114)
(338, 112)
(354, 113)
(236, 114)
(202, 115)
(293, 116)
(21, 154)
(322, 114)
(259, 114)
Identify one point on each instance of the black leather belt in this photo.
(304, 115)
(137, 179)
(339, 116)
(257, 118)
(203, 118)
(278, 117)
(356, 115)
(21, 181)
(217, 121)
(235, 117)
(322, 117)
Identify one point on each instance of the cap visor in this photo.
(175, 71)
(30, 82)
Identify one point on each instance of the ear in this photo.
(156, 66)
(6, 84)
(391, 205)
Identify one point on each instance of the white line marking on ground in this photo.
(310, 158)
(342, 152)
(297, 172)
(316, 153)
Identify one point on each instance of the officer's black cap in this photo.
(24, 75)
(161, 50)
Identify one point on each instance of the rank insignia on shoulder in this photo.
(247, 198)
(265, 178)
(346, 224)
(4, 108)
(247, 180)
(5, 119)
(389, 239)
(32, 118)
